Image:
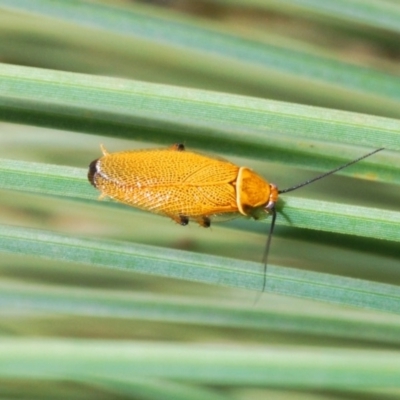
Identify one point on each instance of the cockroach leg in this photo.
(183, 220)
(178, 147)
(205, 222)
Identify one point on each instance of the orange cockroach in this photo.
(185, 186)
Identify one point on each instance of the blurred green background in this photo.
(345, 57)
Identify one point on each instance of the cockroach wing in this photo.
(174, 183)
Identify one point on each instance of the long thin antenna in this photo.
(266, 252)
(329, 172)
(273, 211)
(268, 245)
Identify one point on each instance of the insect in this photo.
(185, 185)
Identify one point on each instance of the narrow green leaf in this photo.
(376, 14)
(245, 126)
(342, 218)
(196, 267)
(145, 388)
(307, 367)
(35, 300)
(305, 213)
(308, 71)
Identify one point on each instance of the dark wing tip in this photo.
(92, 172)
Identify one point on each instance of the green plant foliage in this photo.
(100, 300)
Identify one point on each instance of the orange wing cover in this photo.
(169, 182)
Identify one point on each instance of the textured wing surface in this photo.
(169, 182)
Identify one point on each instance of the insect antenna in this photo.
(267, 247)
(273, 211)
(328, 173)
